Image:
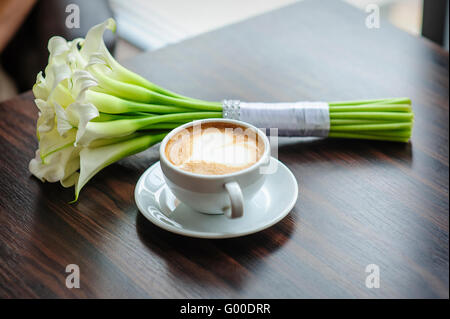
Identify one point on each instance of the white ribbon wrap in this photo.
(291, 119)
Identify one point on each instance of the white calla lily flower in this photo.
(46, 116)
(93, 111)
(55, 168)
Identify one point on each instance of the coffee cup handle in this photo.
(236, 200)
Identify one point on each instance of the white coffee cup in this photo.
(215, 194)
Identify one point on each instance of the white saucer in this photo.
(272, 203)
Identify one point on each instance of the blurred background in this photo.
(145, 25)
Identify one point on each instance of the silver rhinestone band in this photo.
(231, 109)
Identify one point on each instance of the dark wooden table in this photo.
(360, 202)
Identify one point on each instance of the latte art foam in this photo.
(214, 148)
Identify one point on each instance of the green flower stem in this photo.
(392, 116)
(397, 133)
(402, 100)
(382, 119)
(111, 104)
(128, 126)
(108, 141)
(106, 117)
(138, 80)
(169, 126)
(139, 94)
(146, 108)
(93, 160)
(371, 127)
(337, 122)
(368, 137)
(372, 108)
(133, 78)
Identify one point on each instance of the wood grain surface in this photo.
(359, 203)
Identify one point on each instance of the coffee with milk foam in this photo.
(214, 148)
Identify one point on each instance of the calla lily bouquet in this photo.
(94, 112)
